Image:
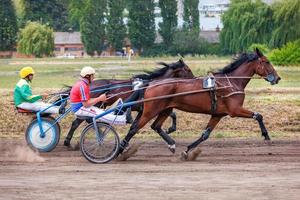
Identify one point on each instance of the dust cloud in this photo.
(22, 153)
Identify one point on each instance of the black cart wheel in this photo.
(102, 147)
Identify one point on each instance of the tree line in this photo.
(102, 24)
(247, 22)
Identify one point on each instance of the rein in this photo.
(185, 80)
(177, 94)
(99, 88)
(142, 88)
(239, 77)
(103, 87)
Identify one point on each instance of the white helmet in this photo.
(87, 70)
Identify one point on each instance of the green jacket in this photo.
(23, 93)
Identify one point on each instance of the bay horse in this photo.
(178, 69)
(230, 84)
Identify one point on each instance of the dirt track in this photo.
(226, 169)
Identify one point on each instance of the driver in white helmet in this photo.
(83, 105)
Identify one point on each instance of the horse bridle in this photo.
(270, 75)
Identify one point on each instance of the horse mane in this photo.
(149, 75)
(244, 57)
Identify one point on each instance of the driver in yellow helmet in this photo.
(23, 97)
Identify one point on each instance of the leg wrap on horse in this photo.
(259, 118)
(174, 123)
(204, 136)
(128, 137)
(165, 136)
(74, 126)
(123, 145)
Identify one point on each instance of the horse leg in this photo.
(241, 112)
(132, 131)
(74, 126)
(174, 123)
(156, 126)
(214, 120)
(140, 121)
(263, 129)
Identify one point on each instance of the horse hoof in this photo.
(130, 151)
(268, 142)
(77, 146)
(67, 143)
(194, 154)
(172, 148)
(184, 156)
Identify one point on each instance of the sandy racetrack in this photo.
(226, 169)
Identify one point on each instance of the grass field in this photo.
(279, 104)
(53, 73)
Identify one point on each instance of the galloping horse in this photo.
(230, 84)
(173, 70)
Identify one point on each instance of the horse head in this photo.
(265, 69)
(177, 70)
(174, 70)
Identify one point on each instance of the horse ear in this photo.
(258, 52)
(181, 57)
(181, 61)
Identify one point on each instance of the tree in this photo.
(141, 23)
(75, 13)
(36, 39)
(53, 12)
(188, 42)
(191, 15)
(168, 26)
(116, 30)
(92, 26)
(246, 22)
(287, 22)
(288, 54)
(8, 25)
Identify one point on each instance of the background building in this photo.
(68, 44)
(210, 13)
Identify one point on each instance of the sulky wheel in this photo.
(102, 147)
(51, 138)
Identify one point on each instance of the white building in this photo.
(210, 13)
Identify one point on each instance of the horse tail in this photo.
(66, 89)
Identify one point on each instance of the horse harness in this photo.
(210, 83)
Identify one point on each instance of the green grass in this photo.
(53, 72)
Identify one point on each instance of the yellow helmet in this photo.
(25, 71)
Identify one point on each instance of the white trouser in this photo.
(39, 105)
(109, 118)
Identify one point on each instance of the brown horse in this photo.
(173, 70)
(230, 84)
